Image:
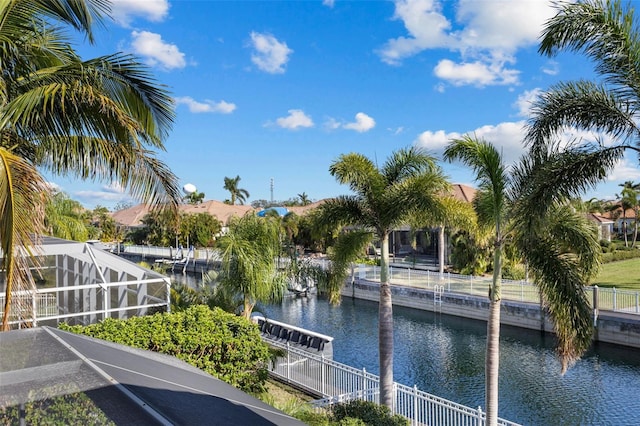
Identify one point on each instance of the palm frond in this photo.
(582, 105)
(405, 163)
(22, 196)
(558, 177)
(347, 248)
(359, 173)
(562, 285)
(603, 30)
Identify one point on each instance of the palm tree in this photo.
(606, 33)
(98, 119)
(385, 198)
(558, 245)
(492, 205)
(231, 185)
(64, 218)
(629, 200)
(194, 197)
(249, 252)
(304, 199)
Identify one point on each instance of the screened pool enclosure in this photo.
(79, 283)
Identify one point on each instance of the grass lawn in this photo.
(624, 274)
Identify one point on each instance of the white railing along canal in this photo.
(337, 382)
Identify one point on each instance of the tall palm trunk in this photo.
(492, 362)
(385, 327)
(248, 307)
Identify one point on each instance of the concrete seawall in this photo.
(611, 327)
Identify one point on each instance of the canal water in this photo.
(444, 355)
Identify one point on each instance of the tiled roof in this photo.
(133, 216)
(463, 192)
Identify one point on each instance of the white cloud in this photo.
(426, 26)
(332, 124)
(329, 3)
(435, 141)
(363, 123)
(156, 51)
(296, 119)
(124, 11)
(270, 55)
(507, 137)
(626, 169)
(396, 131)
(107, 193)
(206, 106)
(475, 73)
(551, 68)
(486, 35)
(525, 100)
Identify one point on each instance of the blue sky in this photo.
(275, 91)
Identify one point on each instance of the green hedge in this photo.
(620, 255)
(359, 412)
(222, 344)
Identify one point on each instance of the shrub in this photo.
(222, 344)
(369, 413)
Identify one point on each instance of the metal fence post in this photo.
(595, 305)
(288, 363)
(480, 421)
(614, 299)
(415, 405)
(322, 375)
(364, 384)
(637, 307)
(34, 307)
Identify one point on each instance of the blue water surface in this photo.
(444, 355)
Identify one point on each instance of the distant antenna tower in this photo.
(271, 190)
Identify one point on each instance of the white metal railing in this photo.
(46, 305)
(609, 299)
(338, 382)
(208, 254)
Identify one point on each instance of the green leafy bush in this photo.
(369, 413)
(224, 345)
(75, 408)
(620, 255)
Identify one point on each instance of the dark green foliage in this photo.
(222, 344)
(370, 413)
(616, 255)
(70, 409)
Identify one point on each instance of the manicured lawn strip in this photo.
(624, 274)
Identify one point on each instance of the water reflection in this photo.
(445, 356)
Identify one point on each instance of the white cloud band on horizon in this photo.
(207, 106)
(157, 52)
(269, 54)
